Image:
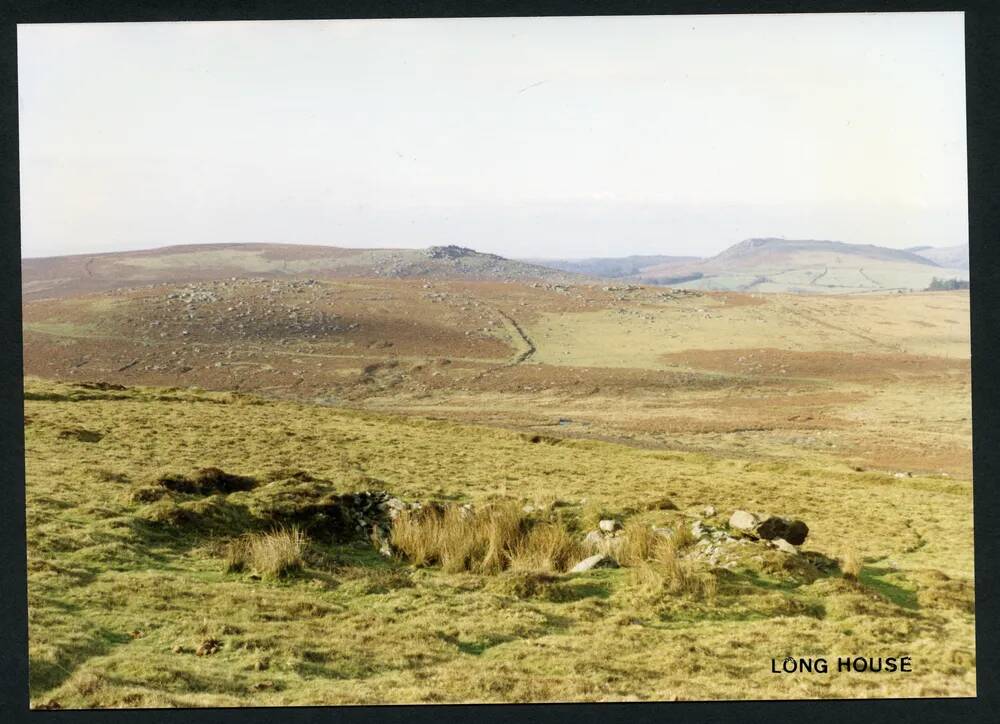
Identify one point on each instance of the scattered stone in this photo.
(208, 647)
(793, 531)
(784, 546)
(609, 525)
(742, 520)
(709, 511)
(393, 507)
(598, 560)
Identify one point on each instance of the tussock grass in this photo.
(592, 513)
(657, 566)
(851, 563)
(487, 541)
(547, 547)
(668, 574)
(682, 537)
(639, 543)
(275, 554)
(529, 584)
(460, 539)
(356, 629)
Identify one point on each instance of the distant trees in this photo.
(945, 285)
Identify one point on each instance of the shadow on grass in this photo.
(902, 597)
(578, 590)
(755, 579)
(475, 648)
(47, 675)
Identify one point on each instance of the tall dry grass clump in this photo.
(665, 572)
(547, 547)
(496, 532)
(850, 564)
(416, 534)
(639, 543)
(275, 554)
(488, 540)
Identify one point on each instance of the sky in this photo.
(526, 137)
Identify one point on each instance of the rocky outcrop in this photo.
(598, 560)
(793, 531)
(742, 520)
(769, 528)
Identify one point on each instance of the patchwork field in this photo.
(556, 405)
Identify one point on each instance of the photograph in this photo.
(567, 359)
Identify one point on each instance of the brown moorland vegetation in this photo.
(190, 448)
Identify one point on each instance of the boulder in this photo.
(709, 511)
(395, 504)
(793, 531)
(208, 647)
(784, 546)
(609, 526)
(598, 560)
(742, 520)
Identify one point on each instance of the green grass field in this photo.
(123, 592)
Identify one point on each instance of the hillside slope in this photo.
(955, 257)
(63, 276)
(613, 267)
(780, 265)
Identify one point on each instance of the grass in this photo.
(851, 564)
(659, 568)
(485, 541)
(276, 554)
(119, 604)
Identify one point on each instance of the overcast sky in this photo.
(528, 137)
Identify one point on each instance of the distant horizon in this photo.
(473, 248)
